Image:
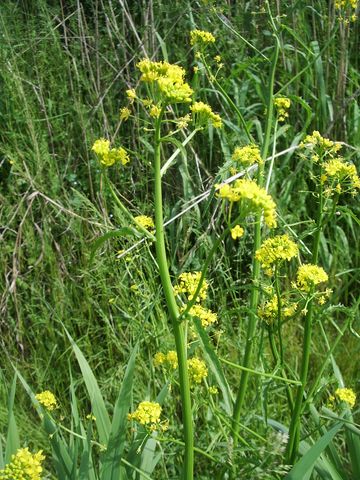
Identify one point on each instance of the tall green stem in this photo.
(294, 430)
(254, 296)
(178, 328)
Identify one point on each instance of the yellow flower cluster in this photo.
(23, 466)
(197, 370)
(247, 155)
(204, 114)
(108, 156)
(155, 111)
(187, 284)
(200, 37)
(169, 359)
(250, 192)
(282, 105)
(205, 315)
(350, 7)
(320, 145)
(237, 232)
(309, 275)
(346, 3)
(269, 310)
(169, 79)
(148, 414)
(144, 221)
(342, 173)
(124, 114)
(47, 399)
(274, 250)
(131, 94)
(346, 395)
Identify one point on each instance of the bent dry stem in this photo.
(178, 327)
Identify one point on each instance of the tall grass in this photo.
(66, 67)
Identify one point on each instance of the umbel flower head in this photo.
(148, 414)
(276, 249)
(201, 38)
(203, 114)
(47, 399)
(247, 155)
(145, 221)
(108, 156)
(24, 465)
(206, 316)
(255, 197)
(320, 146)
(169, 80)
(342, 175)
(346, 395)
(309, 276)
(282, 105)
(197, 370)
(188, 283)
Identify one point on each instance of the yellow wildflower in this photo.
(101, 147)
(213, 390)
(155, 111)
(282, 105)
(188, 283)
(145, 221)
(346, 395)
(247, 155)
(169, 79)
(200, 37)
(255, 198)
(276, 249)
(169, 360)
(148, 414)
(109, 156)
(321, 145)
(131, 94)
(197, 370)
(124, 113)
(183, 122)
(206, 316)
(47, 399)
(344, 173)
(204, 114)
(310, 275)
(217, 58)
(24, 465)
(269, 310)
(236, 232)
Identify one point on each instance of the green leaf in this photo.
(12, 440)
(97, 402)
(307, 462)
(215, 366)
(116, 444)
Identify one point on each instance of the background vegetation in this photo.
(65, 69)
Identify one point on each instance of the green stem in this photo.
(254, 296)
(178, 328)
(294, 430)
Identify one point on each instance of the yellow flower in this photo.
(47, 399)
(255, 198)
(200, 37)
(109, 156)
(188, 283)
(310, 275)
(23, 466)
(344, 173)
(169, 79)
(204, 114)
(131, 94)
(276, 249)
(147, 413)
(206, 316)
(237, 232)
(321, 145)
(169, 360)
(282, 105)
(155, 111)
(247, 155)
(346, 395)
(124, 113)
(182, 122)
(197, 370)
(269, 310)
(144, 221)
(217, 58)
(213, 390)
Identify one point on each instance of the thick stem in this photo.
(294, 430)
(178, 328)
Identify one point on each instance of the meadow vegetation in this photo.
(180, 240)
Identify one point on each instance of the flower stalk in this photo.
(178, 328)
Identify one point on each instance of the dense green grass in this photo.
(65, 69)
